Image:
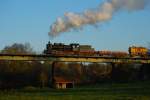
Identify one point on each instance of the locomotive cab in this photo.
(75, 46)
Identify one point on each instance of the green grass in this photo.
(136, 91)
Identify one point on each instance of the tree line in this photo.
(20, 74)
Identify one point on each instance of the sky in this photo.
(29, 21)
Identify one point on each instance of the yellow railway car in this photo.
(138, 51)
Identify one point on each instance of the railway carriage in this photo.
(138, 51)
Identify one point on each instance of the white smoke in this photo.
(104, 12)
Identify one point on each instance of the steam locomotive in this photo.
(75, 49)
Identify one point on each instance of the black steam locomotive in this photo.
(71, 49)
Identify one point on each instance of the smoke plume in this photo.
(104, 12)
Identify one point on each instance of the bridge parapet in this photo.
(73, 59)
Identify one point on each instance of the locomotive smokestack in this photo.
(104, 12)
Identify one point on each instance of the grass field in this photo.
(96, 92)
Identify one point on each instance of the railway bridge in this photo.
(55, 59)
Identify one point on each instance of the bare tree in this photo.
(18, 48)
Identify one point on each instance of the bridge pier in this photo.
(144, 72)
(52, 73)
(113, 71)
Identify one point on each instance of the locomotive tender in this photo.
(75, 49)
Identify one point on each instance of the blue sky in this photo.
(24, 21)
